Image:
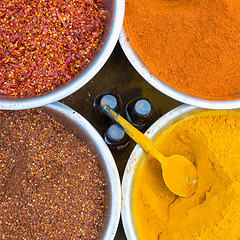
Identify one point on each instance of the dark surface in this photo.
(120, 77)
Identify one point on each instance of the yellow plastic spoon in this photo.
(179, 174)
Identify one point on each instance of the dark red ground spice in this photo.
(45, 43)
(51, 184)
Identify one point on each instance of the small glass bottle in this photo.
(111, 99)
(115, 137)
(139, 112)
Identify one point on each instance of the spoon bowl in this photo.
(179, 174)
(182, 178)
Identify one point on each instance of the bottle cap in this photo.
(109, 100)
(142, 108)
(115, 133)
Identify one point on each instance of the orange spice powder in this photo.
(192, 45)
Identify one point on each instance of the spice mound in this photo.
(191, 45)
(46, 43)
(211, 141)
(52, 186)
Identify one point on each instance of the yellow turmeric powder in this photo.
(211, 140)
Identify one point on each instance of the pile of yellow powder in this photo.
(211, 140)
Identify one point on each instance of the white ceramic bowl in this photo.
(110, 37)
(135, 158)
(80, 126)
(137, 63)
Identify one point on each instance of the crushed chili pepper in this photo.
(45, 43)
(51, 183)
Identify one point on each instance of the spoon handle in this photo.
(145, 142)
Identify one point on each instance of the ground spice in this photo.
(52, 186)
(211, 141)
(193, 46)
(44, 44)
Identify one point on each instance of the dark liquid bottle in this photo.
(115, 137)
(139, 112)
(111, 99)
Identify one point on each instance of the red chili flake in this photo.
(1, 80)
(16, 53)
(2, 12)
(13, 60)
(68, 61)
(46, 43)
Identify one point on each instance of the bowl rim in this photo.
(110, 164)
(140, 67)
(86, 76)
(135, 158)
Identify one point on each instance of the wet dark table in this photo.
(120, 77)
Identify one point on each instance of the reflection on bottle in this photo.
(111, 99)
(139, 112)
(115, 137)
